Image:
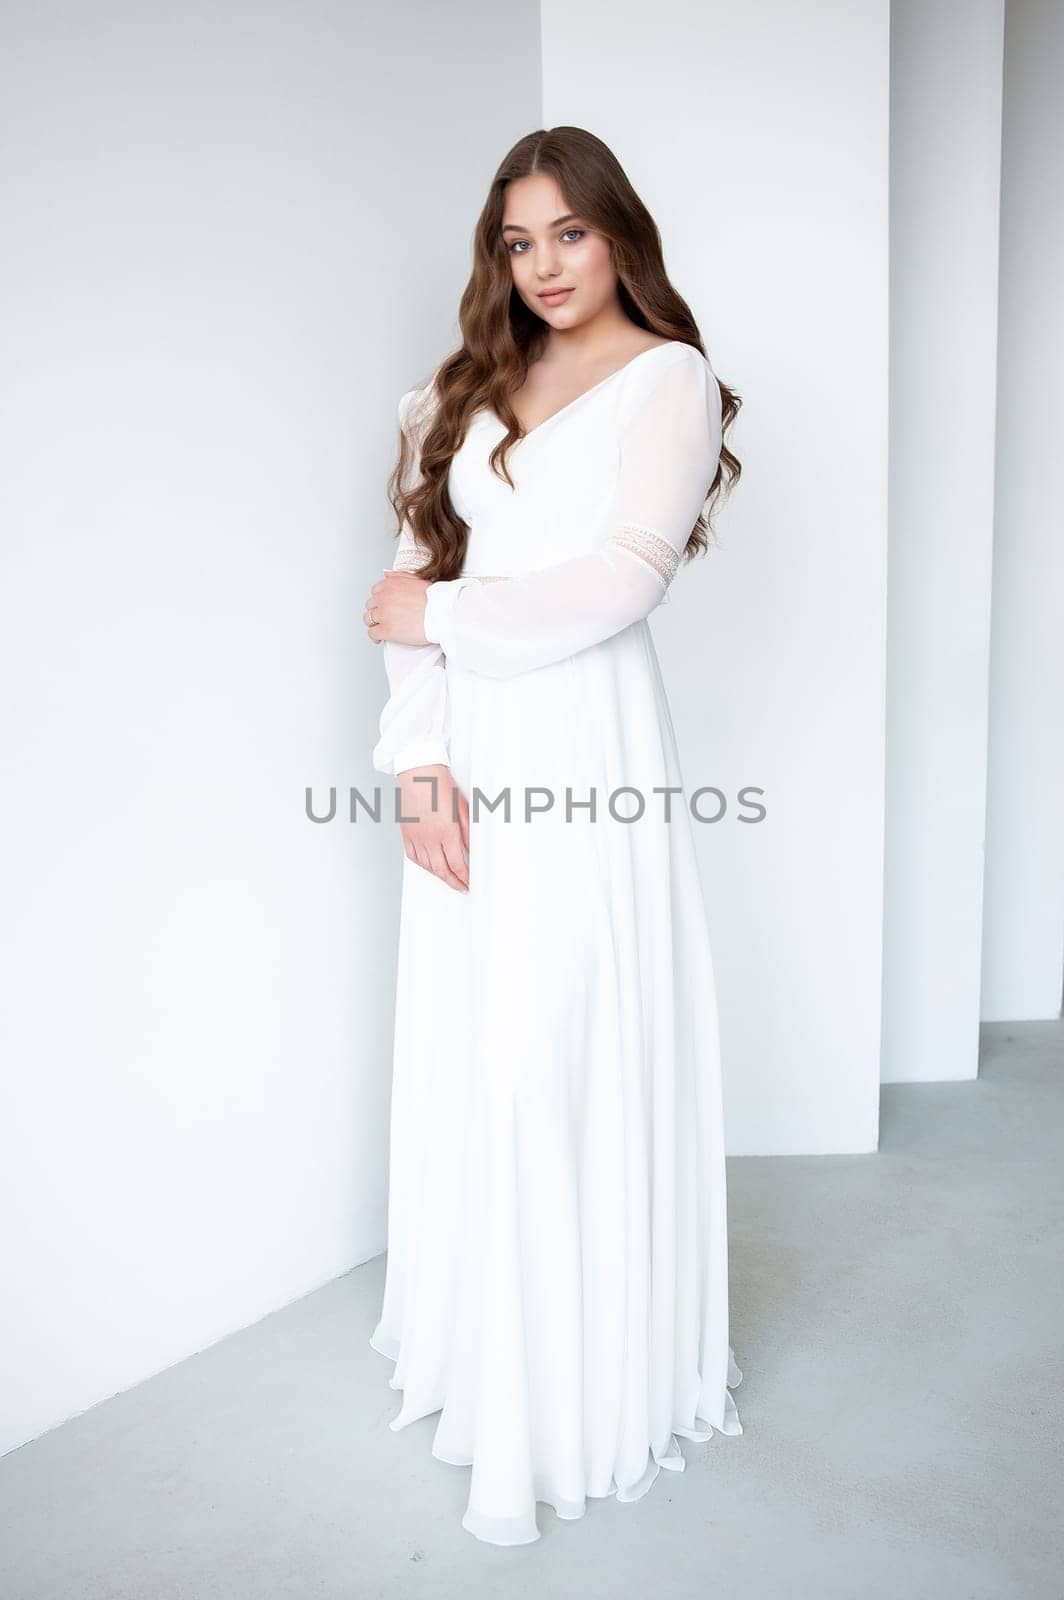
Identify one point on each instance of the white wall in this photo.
(1023, 958)
(758, 136)
(231, 242)
(945, 171)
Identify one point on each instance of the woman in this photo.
(557, 1244)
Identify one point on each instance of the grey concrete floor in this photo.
(898, 1318)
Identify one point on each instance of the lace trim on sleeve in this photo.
(410, 557)
(651, 547)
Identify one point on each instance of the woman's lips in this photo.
(555, 296)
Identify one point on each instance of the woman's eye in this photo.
(515, 251)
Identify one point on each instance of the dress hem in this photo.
(524, 1530)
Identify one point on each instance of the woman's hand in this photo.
(396, 609)
(434, 840)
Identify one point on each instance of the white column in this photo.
(1024, 929)
(945, 168)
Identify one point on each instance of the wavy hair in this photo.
(501, 338)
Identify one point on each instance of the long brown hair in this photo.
(501, 337)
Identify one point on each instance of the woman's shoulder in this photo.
(680, 351)
(415, 406)
(673, 371)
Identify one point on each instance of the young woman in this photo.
(557, 1273)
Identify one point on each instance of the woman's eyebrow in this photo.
(519, 227)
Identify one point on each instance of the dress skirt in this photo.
(557, 1272)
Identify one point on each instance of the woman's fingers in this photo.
(443, 868)
(397, 602)
(463, 821)
(373, 612)
(442, 856)
(455, 858)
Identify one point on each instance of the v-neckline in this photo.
(595, 387)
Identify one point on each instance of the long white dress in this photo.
(557, 1271)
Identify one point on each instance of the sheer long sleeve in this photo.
(669, 446)
(414, 726)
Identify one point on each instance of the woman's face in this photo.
(552, 248)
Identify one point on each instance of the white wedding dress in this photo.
(557, 1271)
